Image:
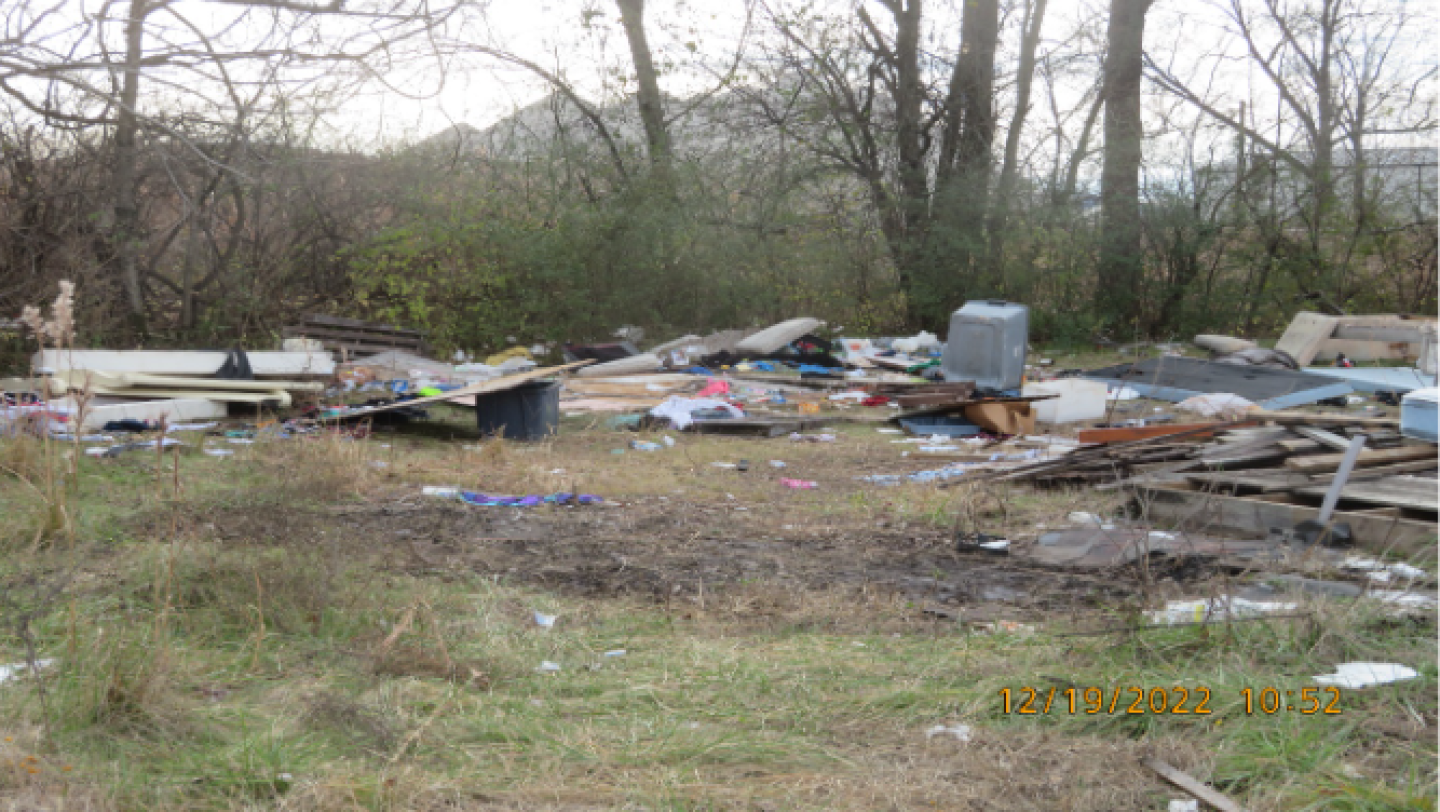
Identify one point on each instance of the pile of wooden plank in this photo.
(1269, 472)
(353, 337)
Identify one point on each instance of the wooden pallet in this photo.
(355, 337)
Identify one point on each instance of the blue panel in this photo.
(1174, 395)
(1378, 379)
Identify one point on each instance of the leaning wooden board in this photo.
(482, 388)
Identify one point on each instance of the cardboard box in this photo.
(1002, 418)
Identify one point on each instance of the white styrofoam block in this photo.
(185, 362)
(103, 410)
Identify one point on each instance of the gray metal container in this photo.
(987, 344)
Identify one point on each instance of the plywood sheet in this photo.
(1416, 493)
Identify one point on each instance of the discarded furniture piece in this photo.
(632, 365)
(774, 338)
(1315, 337)
(356, 337)
(187, 362)
(987, 344)
(1178, 379)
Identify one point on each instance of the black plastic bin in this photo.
(530, 411)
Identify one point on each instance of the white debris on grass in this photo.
(1382, 571)
(1183, 805)
(1365, 675)
(547, 667)
(1402, 599)
(9, 672)
(1222, 608)
(545, 621)
(960, 732)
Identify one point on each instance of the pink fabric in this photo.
(713, 388)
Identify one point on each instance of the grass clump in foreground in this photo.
(297, 660)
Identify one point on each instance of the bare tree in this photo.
(1121, 264)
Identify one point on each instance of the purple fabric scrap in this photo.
(494, 500)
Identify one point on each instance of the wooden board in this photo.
(1263, 481)
(1416, 493)
(1321, 463)
(1303, 337)
(1215, 513)
(1120, 435)
(482, 388)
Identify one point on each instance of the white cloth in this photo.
(678, 410)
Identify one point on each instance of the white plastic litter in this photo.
(777, 463)
(1222, 608)
(1122, 393)
(191, 427)
(544, 621)
(619, 652)
(219, 452)
(547, 667)
(1401, 598)
(1382, 571)
(960, 732)
(1084, 519)
(889, 431)
(1185, 805)
(997, 544)
(1221, 405)
(1366, 675)
(441, 491)
(9, 672)
(678, 410)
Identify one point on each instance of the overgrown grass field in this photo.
(295, 627)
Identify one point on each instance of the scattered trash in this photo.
(10, 672)
(619, 652)
(643, 446)
(493, 500)
(544, 621)
(547, 667)
(1227, 406)
(441, 491)
(812, 438)
(1183, 805)
(1216, 609)
(1122, 393)
(1366, 675)
(1088, 520)
(890, 431)
(1005, 627)
(1401, 599)
(799, 484)
(1382, 571)
(723, 464)
(960, 732)
(777, 463)
(219, 452)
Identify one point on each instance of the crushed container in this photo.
(987, 344)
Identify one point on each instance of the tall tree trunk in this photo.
(126, 235)
(1121, 267)
(652, 105)
(1009, 170)
(963, 183)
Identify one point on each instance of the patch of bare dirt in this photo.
(663, 549)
